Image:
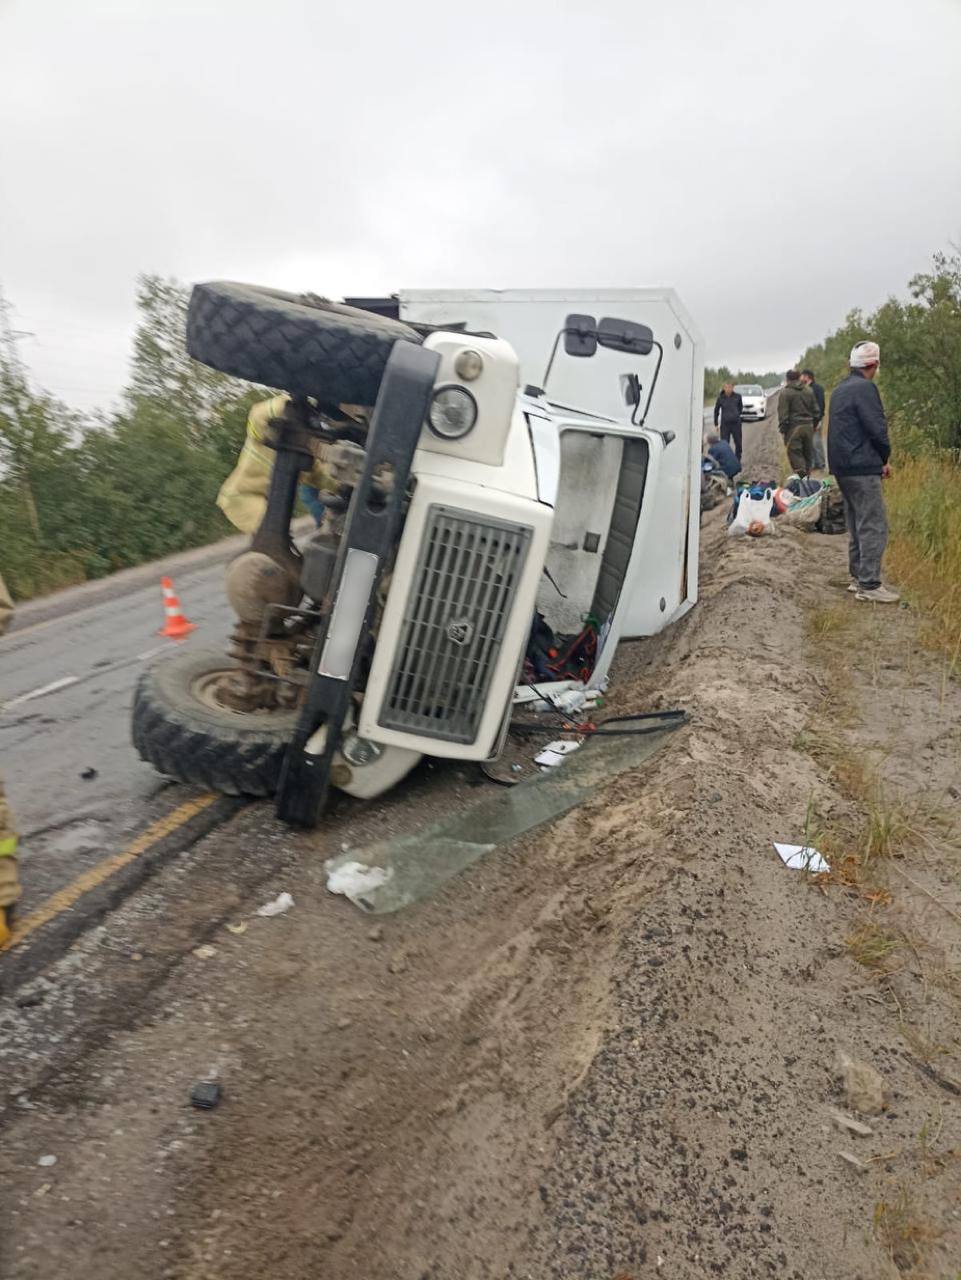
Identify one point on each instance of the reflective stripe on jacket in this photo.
(9, 880)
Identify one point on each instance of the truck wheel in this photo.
(184, 731)
(296, 343)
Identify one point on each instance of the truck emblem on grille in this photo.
(459, 631)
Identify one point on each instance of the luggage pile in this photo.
(814, 505)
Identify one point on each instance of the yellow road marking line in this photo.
(70, 894)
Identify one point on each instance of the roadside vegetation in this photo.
(920, 382)
(84, 495)
(714, 380)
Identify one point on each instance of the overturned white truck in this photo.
(505, 460)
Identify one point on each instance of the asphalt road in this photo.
(77, 787)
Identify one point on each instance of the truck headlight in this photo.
(452, 413)
(360, 751)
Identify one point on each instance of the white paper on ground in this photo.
(354, 879)
(548, 759)
(554, 753)
(801, 857)
(283, 902)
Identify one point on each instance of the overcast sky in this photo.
(776, 163)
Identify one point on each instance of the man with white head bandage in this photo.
(858, 453)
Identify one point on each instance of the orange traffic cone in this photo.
(176, 625)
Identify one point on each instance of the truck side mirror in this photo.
(580, 339)
(631, 389)
(626, 336)
(580, 335)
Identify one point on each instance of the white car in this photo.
(753, 402)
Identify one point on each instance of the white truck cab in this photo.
(532, 459)
(625, 496)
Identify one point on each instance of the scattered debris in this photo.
(413, 866)
(849, 1123)
(343, 1024)
(283, 902)
(863, 1086)
(354, 879)
(554, 753)
(238, 928)
(205, 952)
(577, 700)
(377, 933)
(43, 1189)
(89, 773)
(205, 1095)
(800, 857)
(854, 1162)
(557, 695)
(47, 1162)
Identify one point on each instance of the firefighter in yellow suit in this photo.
(9, 882)
(243, 495)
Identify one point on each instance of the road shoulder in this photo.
(607, 1050)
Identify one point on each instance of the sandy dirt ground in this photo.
(609, 1051)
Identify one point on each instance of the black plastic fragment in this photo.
(205, 1095)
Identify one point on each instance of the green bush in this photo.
(83, 497)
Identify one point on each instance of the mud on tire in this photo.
(295, 343)
(233, 752)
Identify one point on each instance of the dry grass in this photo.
(873, 835)
(903, 1231)
(888, 824)
(924, 506)
(925, 1047)
(891, 823)
(874, 946)
(830, 620)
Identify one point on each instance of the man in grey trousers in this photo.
(858, 453)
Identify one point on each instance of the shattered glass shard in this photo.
(416, 865)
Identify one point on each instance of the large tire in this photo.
(189, 739)
(305, 346)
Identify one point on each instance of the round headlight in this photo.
(360, 751)
(452, 412)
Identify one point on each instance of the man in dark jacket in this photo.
(796, 412)
(858, 453)
(727, 416)
(807, 377)
(723, 455)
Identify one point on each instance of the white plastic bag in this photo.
(753, 515)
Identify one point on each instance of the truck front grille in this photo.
(467, 574)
